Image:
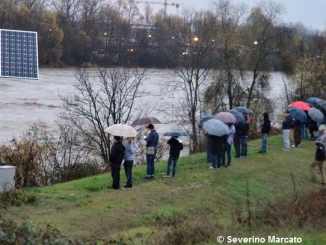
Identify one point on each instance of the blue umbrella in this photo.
(316, 115)
(313, 99)
(215, 127)
(322, 104)
(237, 115)
(205, 117)
(176, 133)
(243, 110)
(298, 114)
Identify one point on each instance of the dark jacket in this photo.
(116, 154)
(246, 128)
(313, 125)
(296, 124)
(175, 147)
(286, 124)
(152, 139)
(239, 127)
(320, 152)
(218, 145)
(266, 127)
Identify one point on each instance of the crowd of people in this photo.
(124, 152)
(218, 147)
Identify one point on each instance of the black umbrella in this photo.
(176, 133)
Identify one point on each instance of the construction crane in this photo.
(165, 5)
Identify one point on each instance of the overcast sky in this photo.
(311, 13)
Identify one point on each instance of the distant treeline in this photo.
(117, 33)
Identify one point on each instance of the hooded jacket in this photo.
(175, 147)
(266, 127)
(116, 154)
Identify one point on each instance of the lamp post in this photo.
(106, 47)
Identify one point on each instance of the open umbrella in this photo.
(237, 115)
(205, 117)
(298, 114)
(215, 127)
(321, 139)
(176, 133)
(313, 99)
(226, 117)
(322, 104)
(145, 121)
(301, 105)
(121, 129)
(243, 110)
(316, 115)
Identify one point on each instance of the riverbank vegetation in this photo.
(263, 195)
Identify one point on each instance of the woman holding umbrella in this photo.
(130, 149)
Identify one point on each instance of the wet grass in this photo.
(196, 197)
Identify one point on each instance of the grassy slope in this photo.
(85, 207)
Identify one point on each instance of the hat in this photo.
(117, 138)
(151, 126)
(287, 111)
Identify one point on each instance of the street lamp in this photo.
(106, 41)
(195, 39)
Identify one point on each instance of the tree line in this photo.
(81, 32)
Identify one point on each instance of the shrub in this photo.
(15, 197)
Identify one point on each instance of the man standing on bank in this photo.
(175, 147)
(130, 149)
(116, 158)
(266, 127)
(286, 125)
(151, 150)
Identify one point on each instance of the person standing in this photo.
(175, 147)
(286, 125)
(266, 127)
(319, 159)
(130, 149)
(116, 158)
(151, 150)
(297, 127)
(313, 126)
(227, 146)
(244, 138)
(217, 151)
(236, 138)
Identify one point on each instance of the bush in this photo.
(15, 197)
(40, 160)
(26, 233)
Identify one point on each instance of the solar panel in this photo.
(18, 54)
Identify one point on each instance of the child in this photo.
(175, 147)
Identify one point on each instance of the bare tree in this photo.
(68, 8)
(229, 71)
(261, 43)
(195, 56)
(102, 98)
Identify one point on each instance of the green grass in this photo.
(196, 197)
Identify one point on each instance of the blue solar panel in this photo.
(18, 54)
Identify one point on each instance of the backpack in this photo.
(320, 152)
